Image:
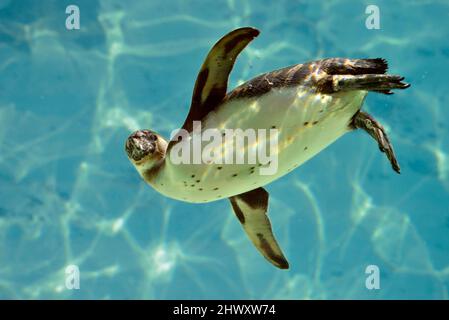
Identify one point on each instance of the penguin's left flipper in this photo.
(251, 210)
(363, 120)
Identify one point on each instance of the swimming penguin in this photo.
(308, 106)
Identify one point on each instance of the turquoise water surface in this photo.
(69, 196)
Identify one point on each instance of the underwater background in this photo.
(69, 195)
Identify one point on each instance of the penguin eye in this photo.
(153, 137)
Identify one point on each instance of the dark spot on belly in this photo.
(315, 122)
(306, 123)
(235, 175)
(321, 111)
(216, 188)
(273, 127)
(193, 176)
(305, 148)
(219, 196)
(192, 185)
(219, 168)
(198, 181)
(201, 189)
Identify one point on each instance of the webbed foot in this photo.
(363, 120)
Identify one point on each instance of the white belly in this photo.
(307, 124)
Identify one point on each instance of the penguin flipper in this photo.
(251, 210)
(212, 80)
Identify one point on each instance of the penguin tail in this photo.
(340, 66)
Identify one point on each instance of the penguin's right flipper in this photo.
(251, 210)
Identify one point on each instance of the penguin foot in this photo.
(363, 120)
(381, 83)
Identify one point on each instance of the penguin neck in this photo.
(149, 174)
(150, 171)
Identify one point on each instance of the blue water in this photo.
(69, 196)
